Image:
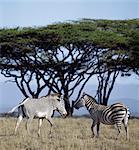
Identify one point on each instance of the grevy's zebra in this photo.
(40, 108)
(110, 115)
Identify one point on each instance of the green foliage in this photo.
(101, 33)
(115, 36)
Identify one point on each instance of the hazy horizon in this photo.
(10, 96)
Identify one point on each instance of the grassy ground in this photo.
(70, 134)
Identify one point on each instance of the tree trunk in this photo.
(68, 108)
(105, 101)
(66, 98)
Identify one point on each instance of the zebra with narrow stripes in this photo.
(40, 108)
(109, 115)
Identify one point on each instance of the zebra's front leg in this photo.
(98, 125)
(39, 126)
(92, 128)
(51, 124)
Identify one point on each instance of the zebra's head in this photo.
(80, 102)
(60, 105)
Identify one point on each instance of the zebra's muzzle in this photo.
(64, 115)
(76, 107)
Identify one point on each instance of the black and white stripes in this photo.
(113, 114)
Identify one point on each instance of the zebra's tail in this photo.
(126, 116)
(20, 104)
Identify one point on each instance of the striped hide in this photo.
(116, 114)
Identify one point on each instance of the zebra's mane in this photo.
(93, 99)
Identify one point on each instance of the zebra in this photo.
(114, 114)
(40, 108)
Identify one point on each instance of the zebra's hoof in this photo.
(92, 136)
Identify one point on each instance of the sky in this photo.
(25, 13)
(34, 13)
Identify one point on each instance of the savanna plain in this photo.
(68, 134)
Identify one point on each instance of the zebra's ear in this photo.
(58, 94)
(84, 93)
(58, 99)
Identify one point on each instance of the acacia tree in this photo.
(44, 61)
(64, 56)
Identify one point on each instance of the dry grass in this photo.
(70, 134)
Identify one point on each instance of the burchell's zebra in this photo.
(110, 115)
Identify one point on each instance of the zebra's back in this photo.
(114, 114)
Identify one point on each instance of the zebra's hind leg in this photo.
(28, 125)
(18, 123)
(126, 129)
(92, 128)
(125, 122)
(118, 133)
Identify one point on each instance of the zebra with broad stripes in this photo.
(110, 115)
